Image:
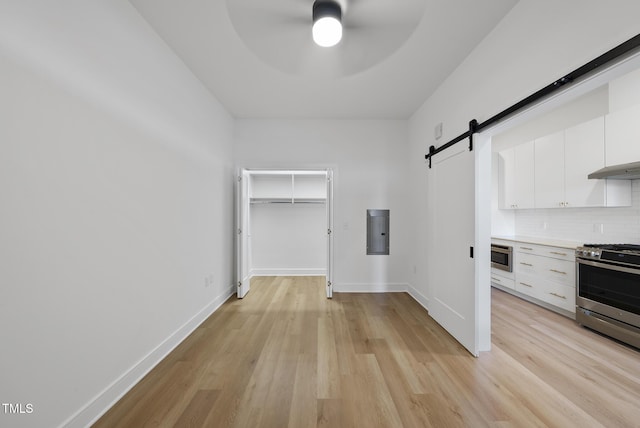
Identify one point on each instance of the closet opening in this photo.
(284, 222)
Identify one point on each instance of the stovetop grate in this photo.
(615, 247)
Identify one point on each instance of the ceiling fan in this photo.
(279, 32)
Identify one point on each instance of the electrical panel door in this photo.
(378, 232)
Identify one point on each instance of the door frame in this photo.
(241, 231)
(482, 143)
(242, 227)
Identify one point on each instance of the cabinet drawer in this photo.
(502, 281)
(547, 251)
(502, 273)
(528, 264)
(528, 284)
(558, 295)
(547, 291)
(559, 271)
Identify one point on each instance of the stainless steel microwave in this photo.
(502, 257)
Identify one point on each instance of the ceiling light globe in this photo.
(327, 22)
(327, 31)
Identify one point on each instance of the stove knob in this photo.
(594, 253)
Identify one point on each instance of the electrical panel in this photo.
(377, 232)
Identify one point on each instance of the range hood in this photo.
(625, 171)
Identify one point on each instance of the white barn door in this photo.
(452, 228)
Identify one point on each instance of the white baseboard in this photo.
(369, 288)
(111, 394)
(418, 297)
(289, 272)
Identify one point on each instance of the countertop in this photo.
(540, 241)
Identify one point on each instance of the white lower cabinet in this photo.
(544, 273)
(502, 278)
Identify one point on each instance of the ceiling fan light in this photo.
(327, 25)
(327, 32)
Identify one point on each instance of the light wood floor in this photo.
(287, 357)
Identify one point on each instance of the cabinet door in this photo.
(584, 154)
(507, 180)
(622, 136)
(549, 171)
(516, 177)
(585, 148)
(524, 175)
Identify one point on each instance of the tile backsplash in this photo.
(587, 225)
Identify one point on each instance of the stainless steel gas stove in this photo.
(608, 290)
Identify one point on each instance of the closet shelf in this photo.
(287, 200)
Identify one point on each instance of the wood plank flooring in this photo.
(285, 356)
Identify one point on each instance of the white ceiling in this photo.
(258, 59)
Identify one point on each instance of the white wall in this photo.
(587, 225)
(115, 188)
(288, 239)
(369, 162)
(536, 43)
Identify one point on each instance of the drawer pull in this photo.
(526, 264)
(495, 279)
(558, 254)
(558, 295)
(526, 285)
(558, 271)
(526, 248)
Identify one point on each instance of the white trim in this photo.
(418, 297)
(370, 288)
(309, 171)
(482, 252)
(288, 272)
(99, 405)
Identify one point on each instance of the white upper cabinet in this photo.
(516, 177)
(549, 171)
(623, 136)
(585, 153)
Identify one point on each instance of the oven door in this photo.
(609, 289)
(501, 257)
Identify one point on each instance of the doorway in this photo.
(284, 224)
(596, 98)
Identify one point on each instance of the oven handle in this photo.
(608, 266)
(501, 249)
